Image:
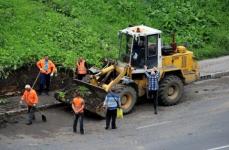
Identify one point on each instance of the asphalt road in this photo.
(199, 122)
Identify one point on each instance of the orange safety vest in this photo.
(51, 66)
(78, 103)
(30, 97)
(81, 67)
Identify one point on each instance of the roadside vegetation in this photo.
(67, 29)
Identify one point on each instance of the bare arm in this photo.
(74, 109)
(147, 74)
(105, 102)
(39, 64)
(82, 107)
(145, 67)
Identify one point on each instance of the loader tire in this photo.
(171, 90)
(128, 97)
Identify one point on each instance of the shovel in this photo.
(36, 79)
(43, 117)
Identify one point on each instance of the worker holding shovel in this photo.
(31, 99)
(47, 69)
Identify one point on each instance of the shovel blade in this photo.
(43, 117)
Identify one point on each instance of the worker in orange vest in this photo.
(81, 67)
(47, 69)
(30, 98)
(78, 108)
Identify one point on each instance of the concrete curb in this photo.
(22, 110)
(214, 75)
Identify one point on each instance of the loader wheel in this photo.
(171, 90)
(128, 97)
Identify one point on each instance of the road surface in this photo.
(199, 122)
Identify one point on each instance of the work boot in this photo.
(29, 123)
(82, 132)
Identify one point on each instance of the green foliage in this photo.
(68, 29)
(61, 95)
(82, 90)
(3, 101)
(202, 24)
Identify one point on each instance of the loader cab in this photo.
(139, 46)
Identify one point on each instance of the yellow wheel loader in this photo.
(139, 46)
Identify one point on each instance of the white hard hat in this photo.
(27, 86)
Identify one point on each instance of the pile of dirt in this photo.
(16, 81)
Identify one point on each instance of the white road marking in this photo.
(221, 147)
(153, 125)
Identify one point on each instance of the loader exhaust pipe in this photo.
(174, 44)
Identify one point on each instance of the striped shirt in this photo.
(46, 65)
(153, 81)
(112, 100)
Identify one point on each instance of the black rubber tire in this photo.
(128, 95)
(174, 84)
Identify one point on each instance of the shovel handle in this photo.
(36, 79)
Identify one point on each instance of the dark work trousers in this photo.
(153, 95)
(111, 117)
(79, 116)
(31, 112)
(44, 81)
(80, 76)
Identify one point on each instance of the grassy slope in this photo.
(65, 29)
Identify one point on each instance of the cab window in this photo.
(152, 45)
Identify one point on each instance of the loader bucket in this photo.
(93, 96)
